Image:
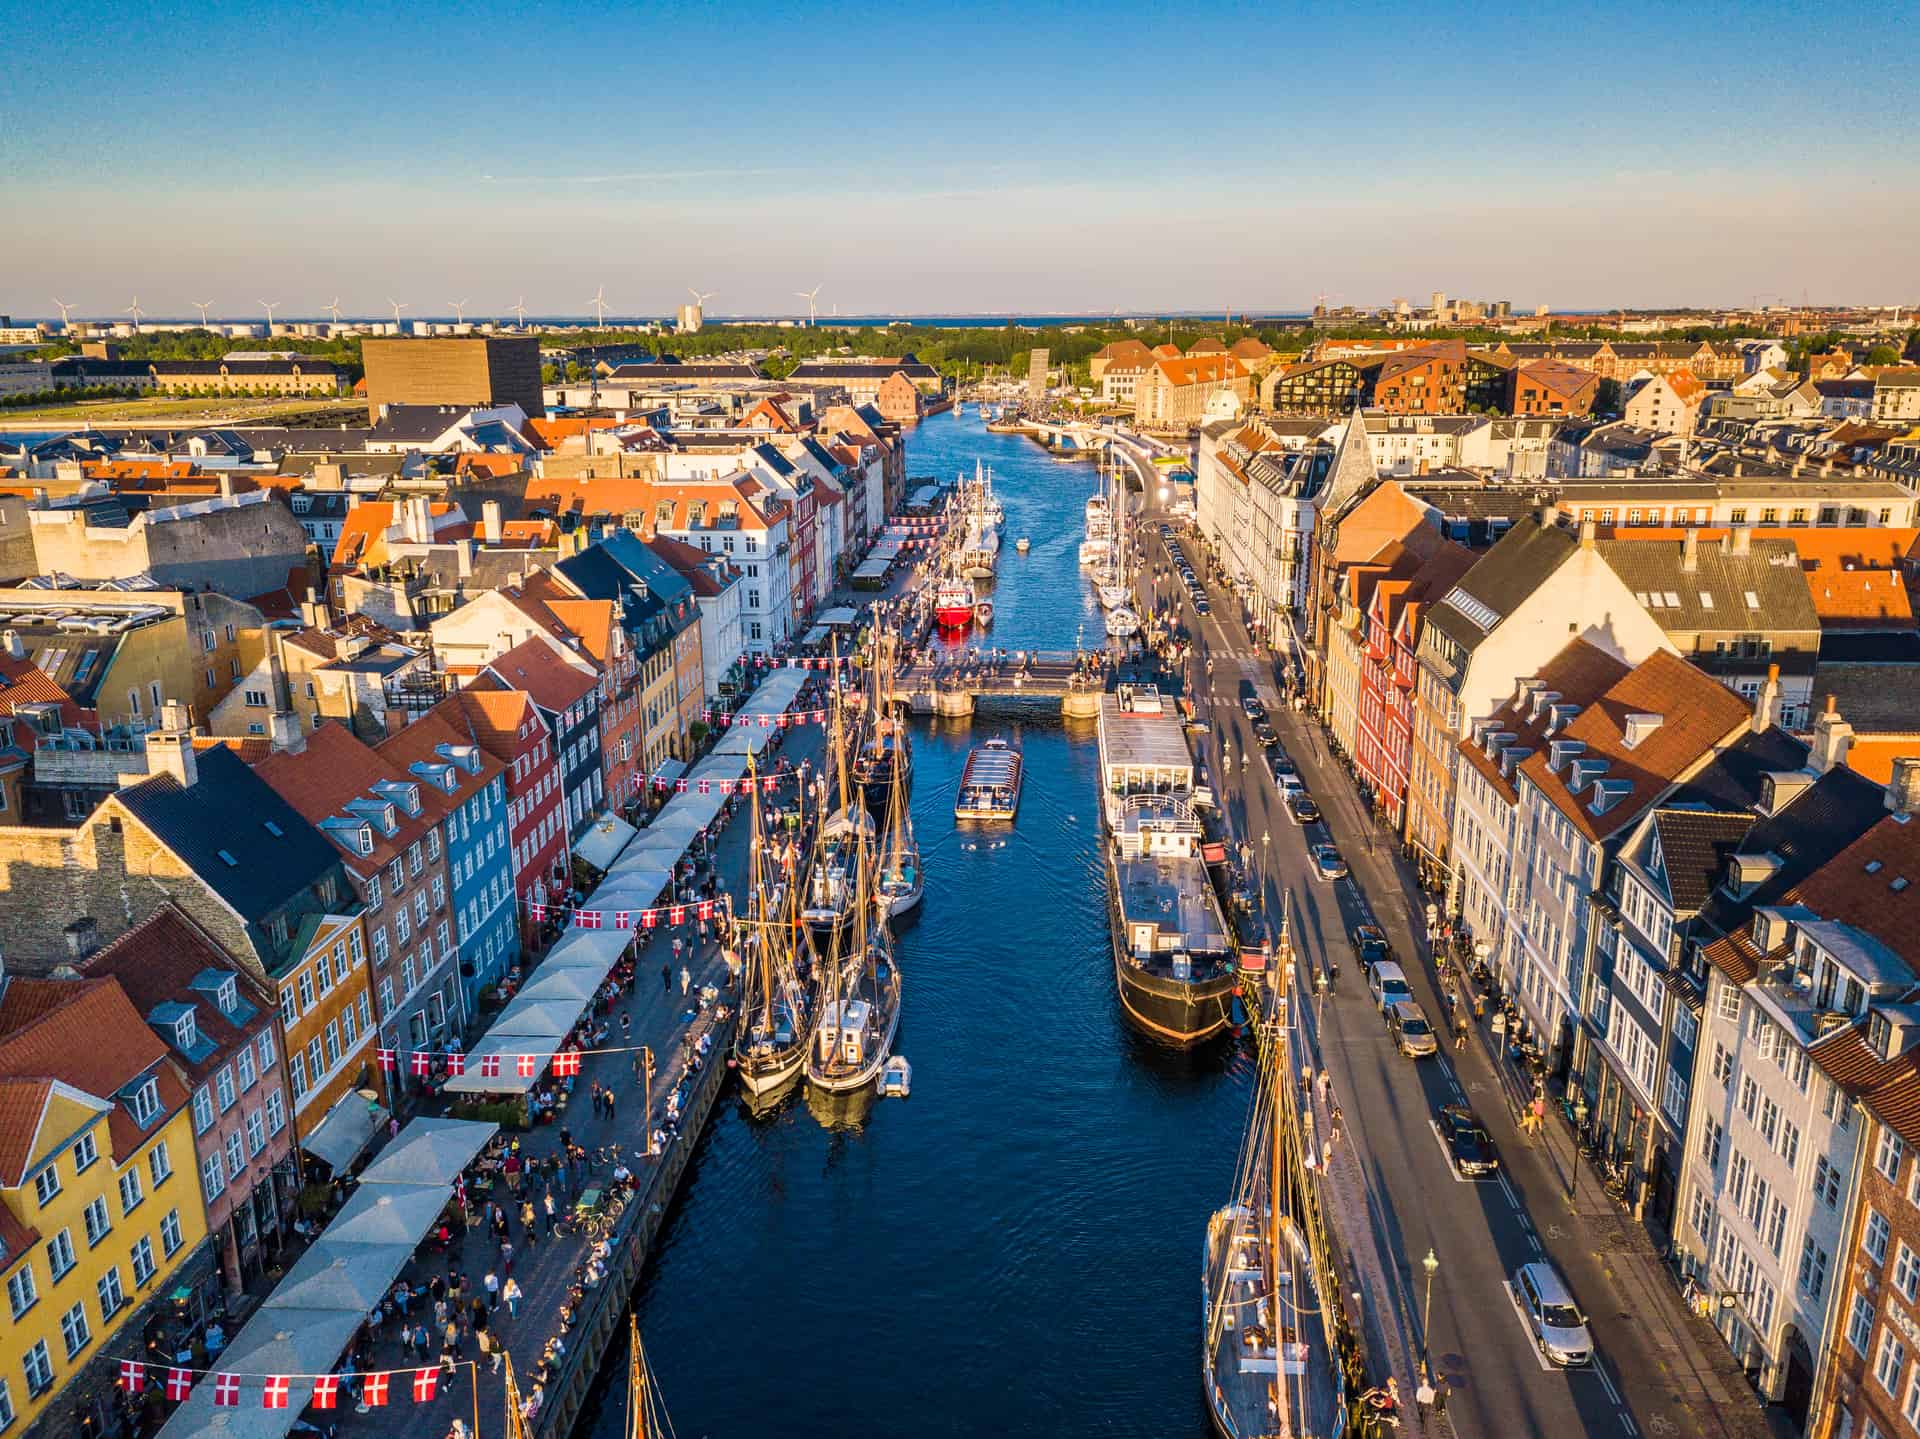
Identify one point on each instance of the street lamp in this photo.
(1580, 1112)
(1432, 1265)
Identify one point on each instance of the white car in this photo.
(1558, 1326)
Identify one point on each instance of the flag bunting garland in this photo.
(286, 1391)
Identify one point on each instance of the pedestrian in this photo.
(1440, 1392)
(1459, 1031)
(626, 1028)
(487, 1349)
(450, 1341)
(506, 1256)
(1423, 1396)
(511, 1293)
(666, 978)
(492, 1282)
(686, 979)
(547, 1202)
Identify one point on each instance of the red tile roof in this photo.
(537, 667)
(337, 766)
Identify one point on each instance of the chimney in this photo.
(463, 556)
(490, 521)
(1549, 516)
(1587, 531)
(313, 614)
(15, 647)
(1740, 540)
(1739, 468)
(1832, 738)
(83, 938)
(170, 747)
(1903, 790)
(283, 728)
(1767, 702)
(226, 485)
(328, 475)
(1690, 552)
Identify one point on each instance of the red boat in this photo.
(953, 604)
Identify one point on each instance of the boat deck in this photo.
(1244, 1358)
(1167, 907)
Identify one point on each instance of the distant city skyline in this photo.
(983, 160)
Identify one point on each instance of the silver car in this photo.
(1558, 1326)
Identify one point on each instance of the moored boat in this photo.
(983, 612)
(990, 782)
(1122, 622)
(776, 1008)
(859, 1015)
(953, 603)
(1023, 544)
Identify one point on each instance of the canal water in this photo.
(1015, 1250)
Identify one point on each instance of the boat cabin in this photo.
(843, 1032)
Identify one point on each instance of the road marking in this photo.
(1626, 1422)
(1506, 1188)
(1606, 1381)
(1526, 1221)
(1513, 1302)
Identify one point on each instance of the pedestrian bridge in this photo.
(956, 684)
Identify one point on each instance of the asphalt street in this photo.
(1479, 1231)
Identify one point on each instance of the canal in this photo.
(1016, 1249)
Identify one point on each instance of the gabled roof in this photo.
(496, 716)
(219, 828)
(537, 668)
(334, 768)
(1695, 845)
(1507, 575)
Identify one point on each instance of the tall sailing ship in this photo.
(883, 760)
(901, 882)
(776, 1004)
(1174, 956)
(832, 901)
(859, 1008)
(1269, 1354)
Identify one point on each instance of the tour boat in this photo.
(953, 603)
(990, 783)
(1122, 622)
(1268, 1353)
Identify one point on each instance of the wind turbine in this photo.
(397, 308)
(64, 308)
(599, 303)
(135, 311)
(203, 306)
(700, 297)
(459, 311)
(269, 306)
(333, 309)
(520, 311)
(810, 296)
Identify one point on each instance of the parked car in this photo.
(1558, 1326)
(1200, 604)
(1412, 1035)
(1468, 1143)
(1370, 945)
(1302, 810)
(1278, 762)
(1265, 732)
(1387, 983)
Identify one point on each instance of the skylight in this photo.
(227, 859)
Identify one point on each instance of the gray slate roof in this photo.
(1770, 571)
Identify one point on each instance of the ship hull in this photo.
(953, 617)
(1176, 1012)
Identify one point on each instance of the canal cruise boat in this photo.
(990, 783)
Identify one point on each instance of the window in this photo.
(142, 1256)
(380, 945)
(130, 1195)
(297, 1076)
(1886, 1156)
(1906, 1272)
(213, 1176)
(276, 1112)
(1749, 1097)
(243, 1062)
(146, 1103)
(306, 989)
(202, 1110)
(6, 1405)
(1711, 1134)
(60, 1254)
(223, 1086)
(266, 1051)
(1875, 1239)
(170, 1232)
(160, 1164)
(236, 1155)
(1790, 1143)
(38, 1366)
(1730, 1004)
(1813, 1268)
(1826, 1181)
(46, 1183)
(1889, 1361)
(333, 1044)
(289, 1008)
(21, 1293)
(85, 1151)
(256, 1133)
(98, 1223)
(111, 1295)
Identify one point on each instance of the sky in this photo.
(960, 158)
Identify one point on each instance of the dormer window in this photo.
(185, 1032)
(145, 1103)
(228, 996)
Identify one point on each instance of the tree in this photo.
(1881, 355)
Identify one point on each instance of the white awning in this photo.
(538, 1023)
(343, 1134)
(600, 846)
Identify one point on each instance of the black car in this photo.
(1250, 702)
(1468, 1142)
(1265, 732)
(1200, 604)
(1301, 806)
(1166, 531)
(1370, 945)
(1277, 762)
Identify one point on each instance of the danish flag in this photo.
(456, 1063)
(586, 919)
(133, 1375)
(649, 918)
(374, 1389)
(679, 786)
(422, 1062)
(537, 912)
(226, 1390)
(566, 1062)
(706, 786)
(706, 909)
(767, 784)
(489, 1066)
(274, 1396)
(677, 915)
(387, 1060)
(526, 1065)
(326, 1391)
(623, 919)
(179, 1384)
(765, 721)
(426, 1384)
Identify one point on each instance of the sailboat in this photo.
(776, 1007)
(884, 759)
(1268, 1347)
(901, 882)
(832, 897)
(859, 1004)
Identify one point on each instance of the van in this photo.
(1388, 985)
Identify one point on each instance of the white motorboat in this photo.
(1122, 622)
(1112, 596)
(1094, 552)
(1023, 544)
(896, 1080)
